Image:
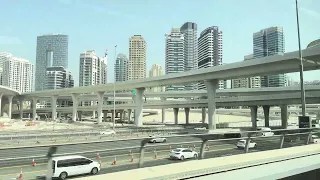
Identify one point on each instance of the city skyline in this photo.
(237, 36)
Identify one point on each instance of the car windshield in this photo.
(242, 141)
(177, 150)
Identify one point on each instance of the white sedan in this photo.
(200, 128)
(157, 139)
(242, 144)
(183, 153)
(108, 132)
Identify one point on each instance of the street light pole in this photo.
(303, 98)
(114, 92)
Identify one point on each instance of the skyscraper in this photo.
(92, 69)
(4, 56)
(156, 70)
(210, 51)
(58, 78)
(189, 31)
(52, 50)
(269, 42)
(137, 58)
(18, 74)
(174, 56)
(121, 68)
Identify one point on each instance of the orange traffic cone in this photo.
(130, 153)
(132, 160)
(33, 163)
(170, 148)
(98, 156)
(114, 161)
(100, 163)
(20, 175)
(155, 155)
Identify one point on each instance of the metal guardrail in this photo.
(204, 139)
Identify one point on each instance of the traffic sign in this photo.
(133, 91)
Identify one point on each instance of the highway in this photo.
(216, 149)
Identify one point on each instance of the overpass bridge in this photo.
(286, 63)
(266, 101)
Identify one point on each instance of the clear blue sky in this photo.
(101, 24)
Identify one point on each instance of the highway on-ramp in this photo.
(154, 155)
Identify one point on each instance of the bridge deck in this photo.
(194, 168)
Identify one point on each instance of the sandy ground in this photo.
(195, 117)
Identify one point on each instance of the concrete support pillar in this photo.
(266, 112)
(34, 108)
(75, 103)
(212, 86)
(284, 116)
(254, 115)
(163, 111)
(21, 108)
(10, 106)
(100, 95)
(129, 114)
(176, 115)
(163, 115)
(204, 114)
(113, 116)
(121, 115)
(187, 111)
(139, 106)
(105, 115)
(54, 107)
(80, 115)
(1, 94)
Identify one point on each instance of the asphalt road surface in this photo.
(123, 158)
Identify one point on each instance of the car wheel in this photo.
(154, 141)
(182, 158)
(195, 156)
(94, 171)
(255, 146)
(63, 175)
(164, 140)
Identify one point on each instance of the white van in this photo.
(265, 131)
(65, 166)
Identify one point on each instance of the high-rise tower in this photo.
(269, 42)
(174, 60)
(52, 50)
(137, 58)
(210, 51)
(121, 68)
(189, 31)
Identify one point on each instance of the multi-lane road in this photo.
(123, 157)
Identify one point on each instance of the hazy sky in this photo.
(102, 24)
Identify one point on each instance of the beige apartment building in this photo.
(156, 70)
(137, 58)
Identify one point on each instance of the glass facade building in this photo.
(52, 51)
(269, 42)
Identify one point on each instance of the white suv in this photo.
(65, 166)
(242, 144)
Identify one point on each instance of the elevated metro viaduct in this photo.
(253, 101)
(286, 63)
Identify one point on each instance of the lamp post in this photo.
(303, 98)
(114, 92)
